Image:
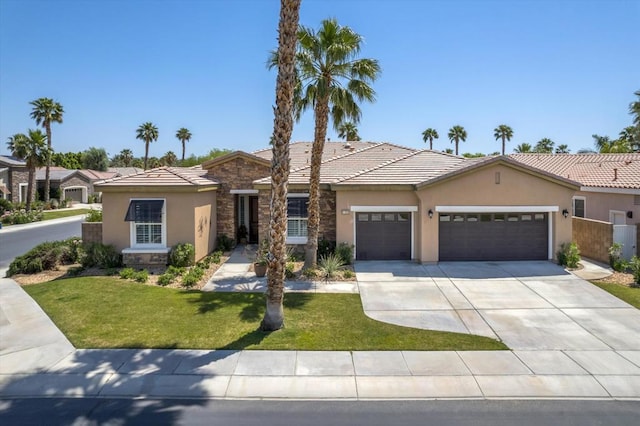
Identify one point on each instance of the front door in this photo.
(253, 219)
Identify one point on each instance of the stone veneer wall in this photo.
(593, 238)
(75, 181)
(18, 177)
(144, 260)
(237, 173)
(92, 232)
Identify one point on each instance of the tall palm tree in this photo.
(169, 158)
(331, 80)
(46, 111)
(348, 131)
(184, 135)
(563, 149)
(602, 143)
(457, 134)
(523, 148)
(282, 128)
(127, 157)
(33, 149)
(429, 135)
(148, 133)
(544, 146)
(503, 132)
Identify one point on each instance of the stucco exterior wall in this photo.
(187, 218)
(479, 188)
(599, 204)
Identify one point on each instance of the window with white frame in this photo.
(148, 223)
(579, 206)
(297, 217)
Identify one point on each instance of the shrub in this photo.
(182, 255)
(204, 263)
(192, 277)
(5, 206)
(615, 258)
(216, 256)
(325, 248)
(288, 270)
(224, 243)
(309, 273)
(166, 279)
(345, 252)
(330, 265)
(141, 276)
(46, 256)
(101, 255)
(634, 265)
(17, 217)
(94, 215)
(127, 273)
(569, 255)
(348, 273)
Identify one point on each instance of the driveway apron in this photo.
(534, 305)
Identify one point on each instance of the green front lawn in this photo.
(57, 214)
(628, 294)
(105, 312)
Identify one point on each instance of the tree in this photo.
(457, 134)
(602, 143)
(95, 159)
(46, 111)
(634, 110)
(544, 146)
(563, 149)
(331, 80)
(429, 135)
(184, 135)
(68, 160)
(33, 149)
(282, 127)
(523, 148)
(605, 145)
(348, 131)
(448, 151)
(148, 133)
(127, 157)
(503, 132)
(169, 159)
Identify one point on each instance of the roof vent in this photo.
(347, 145)
(615, 174)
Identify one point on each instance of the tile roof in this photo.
(123, 171)
(55, 173)
(162, 176)
(12, 161)
(594, 170)
(349, 163)
(300, 152)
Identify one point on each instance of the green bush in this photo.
(141, 276)
(569, 255)
(309, 273)
(192, 277)
(634, 265)
(127, 273)
(166, 279)
(94, 215)
(5, 206)
(21, 216)
(182, 255)
(46, 256)
(615, 258)
(330, 265)
(325, 248)
(347, 273)
(288, 270)
(224, 243)
(216, 256)
(100, 255)
(345, 252)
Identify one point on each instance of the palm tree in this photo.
(348, 131)
(282, 128)
(184, 135)
(544, 145)
(169, 159)
(602, 143)
(127, 157)
(523, 148)
(148, 133)
(563, 149)
(33, 149)
(429, 135)
(457, 134)
(634, 109)
(331, 80)
(503, 132)
(46, 111)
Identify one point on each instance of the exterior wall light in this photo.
(565, 213)
(345, 211)
(430, 213)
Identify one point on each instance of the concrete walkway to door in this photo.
(533, 305)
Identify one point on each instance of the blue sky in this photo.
(558, 69)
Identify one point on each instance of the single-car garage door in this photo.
(73, 194)
(493, 236)
(383, 236)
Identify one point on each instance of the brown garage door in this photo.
(493, 236)
(383, 236)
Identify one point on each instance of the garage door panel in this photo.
(383, 236)
(500, 236)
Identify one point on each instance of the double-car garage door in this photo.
(493, 236)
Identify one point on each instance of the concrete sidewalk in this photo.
(37, 360)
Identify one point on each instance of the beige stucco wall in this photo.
(598, 205)
(188, 218)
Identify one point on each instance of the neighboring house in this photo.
(14, 177)
(390, 202)
(74, 185)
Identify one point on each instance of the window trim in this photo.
(132, 227)
(297, 239)
(584, 205)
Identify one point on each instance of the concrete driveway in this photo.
(533, 305)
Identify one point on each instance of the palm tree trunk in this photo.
(321, 112)
(431, 144)
(503, 145)
(146, 153)
(47, 172)
(282, 128)
(457, 146)
(183, 150)
(30, 187)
